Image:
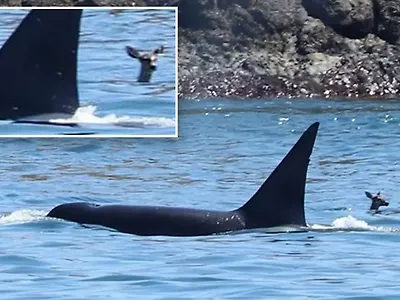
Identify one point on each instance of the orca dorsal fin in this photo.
(38, 65)
(280, 200)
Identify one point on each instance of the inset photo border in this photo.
(88, 72)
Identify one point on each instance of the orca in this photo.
(38, 68)
(278, 202)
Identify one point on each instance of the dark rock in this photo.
(277, 48)
(192, 14)
(85, 3)
(314, 36)
(278, 16)
(388, 20)
(350, 18)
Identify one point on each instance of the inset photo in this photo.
(95, 72)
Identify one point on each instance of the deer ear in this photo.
(132, 52)
(368, 194)
(159, 50)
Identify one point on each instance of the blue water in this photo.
(112, 101)
(225, 150)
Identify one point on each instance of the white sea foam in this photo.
(87, 115)
(344, 223)
(350, 223)
(21, 216)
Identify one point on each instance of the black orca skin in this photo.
(38, 65)
(278, 202)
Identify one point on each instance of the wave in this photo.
(87, 115)
(350, 223)
(21, 216)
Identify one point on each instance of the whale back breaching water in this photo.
(38, 67)
(278, 202)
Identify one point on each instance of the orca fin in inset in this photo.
(38, 65)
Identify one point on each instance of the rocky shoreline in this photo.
(281, 48)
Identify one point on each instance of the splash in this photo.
(21, 216)
(344, 223)
(350, 222)
(86, 115)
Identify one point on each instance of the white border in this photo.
(111, 135)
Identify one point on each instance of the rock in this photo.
(194, 14)
(388, 20)
(10, 3)
(350, 18)
(320, 63)
(280, 48)
(278, 16)
(314, 36)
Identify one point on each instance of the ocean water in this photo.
(225, 151)
(112, 102)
